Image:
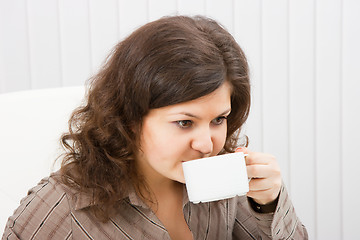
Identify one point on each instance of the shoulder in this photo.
(45, 211)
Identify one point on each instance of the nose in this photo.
(203, 142)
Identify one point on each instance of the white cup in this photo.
(216, 178)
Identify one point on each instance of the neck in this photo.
(161, 192)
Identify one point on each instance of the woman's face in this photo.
(182, 132)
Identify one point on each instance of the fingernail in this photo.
(240, 149)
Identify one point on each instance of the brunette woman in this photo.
(175, 90)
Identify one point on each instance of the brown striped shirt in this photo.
(53, 211)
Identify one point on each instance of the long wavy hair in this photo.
(165, 62)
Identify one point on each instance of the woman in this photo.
(175, 90)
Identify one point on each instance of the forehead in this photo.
(212, 104)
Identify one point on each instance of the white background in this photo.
(304, 58)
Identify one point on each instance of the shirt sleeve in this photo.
(43, 214)
(283, 223)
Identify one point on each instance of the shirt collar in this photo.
(83, 200)
(135, 200)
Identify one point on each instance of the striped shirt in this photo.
(52, 210)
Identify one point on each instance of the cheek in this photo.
(220, 138)
(159, 145)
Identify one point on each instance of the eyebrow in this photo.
(194, 116)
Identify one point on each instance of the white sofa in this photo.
(31, 123)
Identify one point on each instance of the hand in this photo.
(264, 171)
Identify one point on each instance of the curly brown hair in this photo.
(165, 62)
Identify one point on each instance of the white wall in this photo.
(304, 58)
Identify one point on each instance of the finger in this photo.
(264, 196)
(260, 184)
(258, 171)
(260, 158)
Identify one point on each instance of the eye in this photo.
(184, 123)
(219, 120)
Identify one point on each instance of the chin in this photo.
(180, 179)
(179, 175)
